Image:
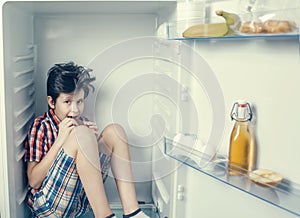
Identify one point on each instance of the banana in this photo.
(232, 22)
(206, 30)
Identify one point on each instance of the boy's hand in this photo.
(65, 128)
(92, 126)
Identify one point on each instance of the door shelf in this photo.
(283, 22)
(175, 30)
(239, 37)
(286, 195)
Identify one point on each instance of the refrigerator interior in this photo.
(38, 34)
(264, 72)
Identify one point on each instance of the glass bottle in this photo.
(241, 155)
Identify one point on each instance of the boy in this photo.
(66, 163)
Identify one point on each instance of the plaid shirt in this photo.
(40, 138)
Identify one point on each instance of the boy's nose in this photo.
(74, 108)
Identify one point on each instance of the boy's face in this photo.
(68, 104)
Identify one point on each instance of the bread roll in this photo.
(278, 26)
(252, 27)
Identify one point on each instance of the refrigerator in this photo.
(158, 85)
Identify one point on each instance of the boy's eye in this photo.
(80, 102)
(67, 102)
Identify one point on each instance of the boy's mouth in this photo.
(73, 117)
(77, 118)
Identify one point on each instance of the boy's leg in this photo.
(82, 145)
(114, 137)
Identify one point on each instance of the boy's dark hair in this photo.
(67, 78)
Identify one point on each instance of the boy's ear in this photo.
(51, 102)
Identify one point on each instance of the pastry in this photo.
(278, 26)
(252, 27)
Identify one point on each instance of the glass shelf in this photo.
(285, 195)
(286, 28)
(175, 30)
(240, 37)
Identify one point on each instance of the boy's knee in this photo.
(84, 135)
(113, 133)
(83, 131)
(79, 136)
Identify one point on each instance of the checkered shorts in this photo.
(62, 193)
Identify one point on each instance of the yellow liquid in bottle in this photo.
(252, 149)
(239, 151)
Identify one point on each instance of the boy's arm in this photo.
(37, 171)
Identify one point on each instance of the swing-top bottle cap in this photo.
(241, 111)
(242, 103)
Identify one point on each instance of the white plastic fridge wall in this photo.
(19, 95)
